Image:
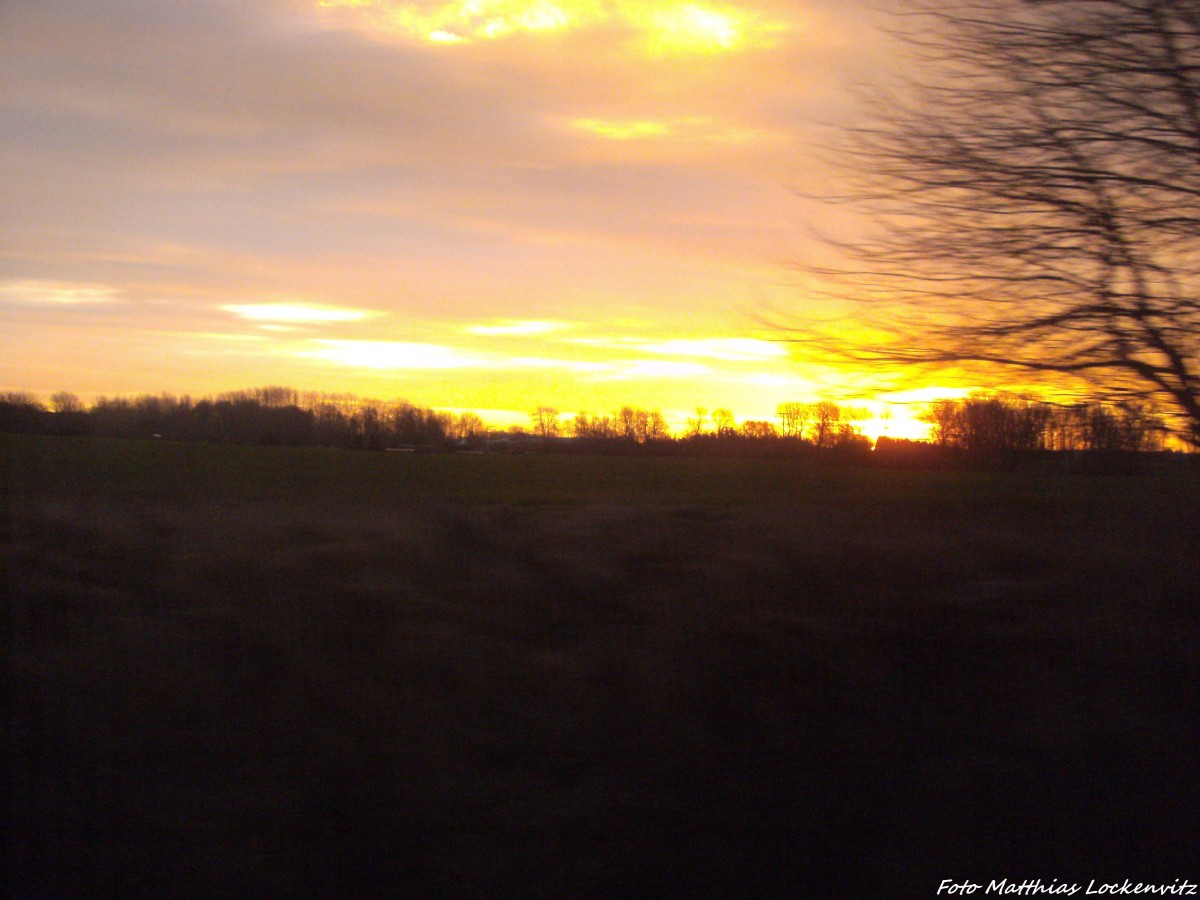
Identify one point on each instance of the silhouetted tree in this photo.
(275, 396)
(637, 425)
(824, 417)
(1095, 427)
(20, 398)
(943, 416)
(848, 440)
(593, 427)
(724, 424)
(545, 421)
(1036, 197)
(1004, 424)
(468, 426)
(272, 415)
(1141, 428)
(758, 430)
(626, 423)
(793, 418)
(21, 412)
(656, 426)
(65, 402)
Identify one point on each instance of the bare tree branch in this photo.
(1035, 200)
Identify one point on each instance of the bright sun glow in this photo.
(661, 28)
(693, 29)
(659, 368)
(457, 23)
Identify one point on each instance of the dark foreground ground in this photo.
(272, 672)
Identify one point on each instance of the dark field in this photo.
(272, 672)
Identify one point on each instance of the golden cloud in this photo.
(390, 355)
(296, 313)
(660, 368)
(690, 129)
(724, 349)
(623, 130)
(516, 327)
(55, 293)
(660, 27)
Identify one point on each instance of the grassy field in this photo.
(274, 672)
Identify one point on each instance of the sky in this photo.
(485, 205)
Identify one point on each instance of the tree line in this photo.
(822, 425)
(989, 423)
(269, 415)
(982, 427)
(285, 416)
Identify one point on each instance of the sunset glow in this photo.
(622, 131)
(692, 28)
(49, 292)
(295, 313)
(455, 23)
(661, 28)
(485, 204)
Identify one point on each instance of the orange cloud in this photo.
(659, 27)
(516, 327)
(622, 130)
(55, 292)
(390, 355)
(297, 313)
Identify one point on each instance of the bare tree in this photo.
(640, 426)
(545, 422)
(1035, 198)
(1092, 426)
(793, 418)
(593, 427)
(943, 416)
(656, 426)
(724, 423)
(468, 426)
(759, 430)
(626, 423)
(825, 416)
(65, 402)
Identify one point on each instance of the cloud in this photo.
(516, 327)
(55, 293)
(623, 131)
(297, 313)
(408, 355)
(927, 394)
(724, 349)
(677, 133)
(453, 23)
(390, 355)
(259, 128)
(654, 27)
(656, 368)
(555, 364)
(516, 169)
(721, 348)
